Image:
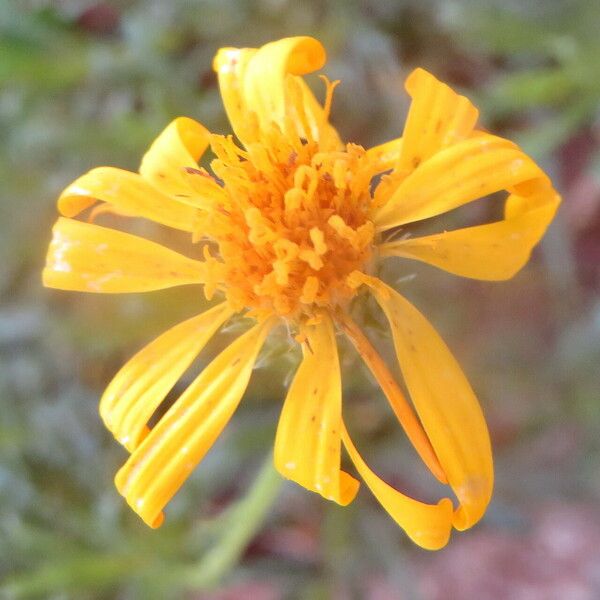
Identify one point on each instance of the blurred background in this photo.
(86, 83)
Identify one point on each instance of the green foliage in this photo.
(552, 49)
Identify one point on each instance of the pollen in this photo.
(293, 221)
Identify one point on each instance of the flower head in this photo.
(290, 220)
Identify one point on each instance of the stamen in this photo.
(292, 223)
(306, 176)
(260, 233)
(329, 89)
(340, 173)
(311, 258)
(318, 240)
(309, 290)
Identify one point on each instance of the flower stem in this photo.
(402, 409)
(245, 518)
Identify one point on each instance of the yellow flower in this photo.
(291, 225)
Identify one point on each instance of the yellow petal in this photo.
(230, 65)
(130, 194)
(530, 195)
(385, 379)
(428, 525)
(169, 453)
(88, 258)
(438, 117)
(494, 251)
(171, 163)
(308, 441)
(445, 403)
(144, 381)
(264, 80)
(459, 174)
(318, 126)
(255, 81)
(387, 154)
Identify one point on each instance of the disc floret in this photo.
(293, 222)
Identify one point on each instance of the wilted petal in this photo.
(428, 525)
